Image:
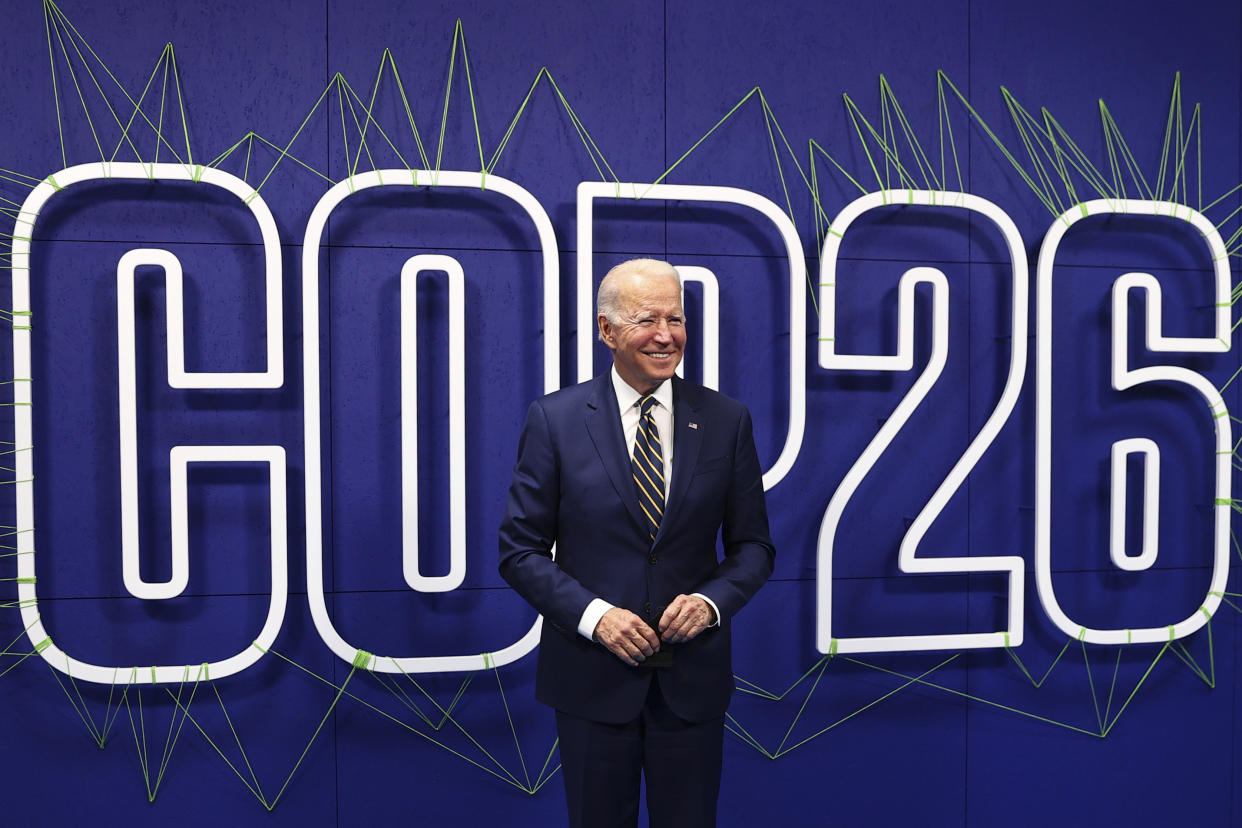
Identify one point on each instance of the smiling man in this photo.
(632, 476)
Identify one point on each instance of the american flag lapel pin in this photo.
(695, 426)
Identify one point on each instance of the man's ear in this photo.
(605, 332)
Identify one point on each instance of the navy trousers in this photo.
(603, 764)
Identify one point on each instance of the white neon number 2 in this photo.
(903, 360)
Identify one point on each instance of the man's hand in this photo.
(685, 618)
(626, 635)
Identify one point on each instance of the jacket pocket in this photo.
(712, 464)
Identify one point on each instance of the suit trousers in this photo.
(602, 764)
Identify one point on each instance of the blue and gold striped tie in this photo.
(648, 464)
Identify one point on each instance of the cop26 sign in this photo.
(1123, 376)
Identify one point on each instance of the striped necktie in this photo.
(648, 466)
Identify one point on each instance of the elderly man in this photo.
(631, 476)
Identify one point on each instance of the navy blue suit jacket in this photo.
(572, 487)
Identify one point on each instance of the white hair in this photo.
(608, 299)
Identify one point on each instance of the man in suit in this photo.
(631, 476)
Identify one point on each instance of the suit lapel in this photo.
(603, 423)
(688, 437)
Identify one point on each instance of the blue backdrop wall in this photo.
(549, 94)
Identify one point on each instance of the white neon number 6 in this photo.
(1122, 378)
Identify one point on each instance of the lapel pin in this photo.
(694, 425)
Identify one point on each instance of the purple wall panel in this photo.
(647, 81)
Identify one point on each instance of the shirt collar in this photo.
(627, 396)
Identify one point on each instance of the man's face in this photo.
(648, 340)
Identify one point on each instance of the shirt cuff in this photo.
(590, 617)
(712, 604)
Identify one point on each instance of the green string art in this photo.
(1046, 158)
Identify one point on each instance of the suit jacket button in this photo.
(653, 559)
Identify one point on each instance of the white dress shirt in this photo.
(628, 406)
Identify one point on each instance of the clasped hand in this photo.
(630, 639)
